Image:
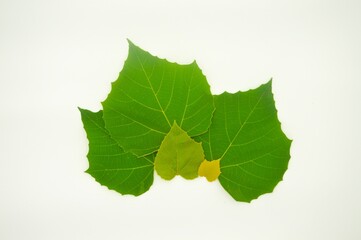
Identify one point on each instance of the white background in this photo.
(57, 55)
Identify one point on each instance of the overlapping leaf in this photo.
(246, 137)
(149, 95)
(153, 110)
(109, 164)
(178, 155)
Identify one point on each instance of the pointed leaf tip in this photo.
(132, 45)
(109, 164)
(148, 96)
(246, 136)
(130, 42)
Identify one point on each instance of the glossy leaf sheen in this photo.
(178, 155)
(109, 164)
(246, 136)
(149, 95)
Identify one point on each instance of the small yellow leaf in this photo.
(210, 170)
(178, 154)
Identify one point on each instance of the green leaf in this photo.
(246, 136)
(178, 155)
(159, 106)
(149, 95)
(109, 164)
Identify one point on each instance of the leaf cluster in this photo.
(162, 116)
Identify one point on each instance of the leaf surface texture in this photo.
(178, 155)
(161, 115)
(247, 138)
(149, 95)
(109, 164)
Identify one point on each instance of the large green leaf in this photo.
(149, 95)
(246, 136)
(109, 164)
(178, 155)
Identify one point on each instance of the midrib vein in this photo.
(243, 124)
(186, 105)
(151, 87)
(109, 136)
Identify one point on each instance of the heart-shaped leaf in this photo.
(149, 95)
(162, 110)
(178, 155)
(247, 138)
